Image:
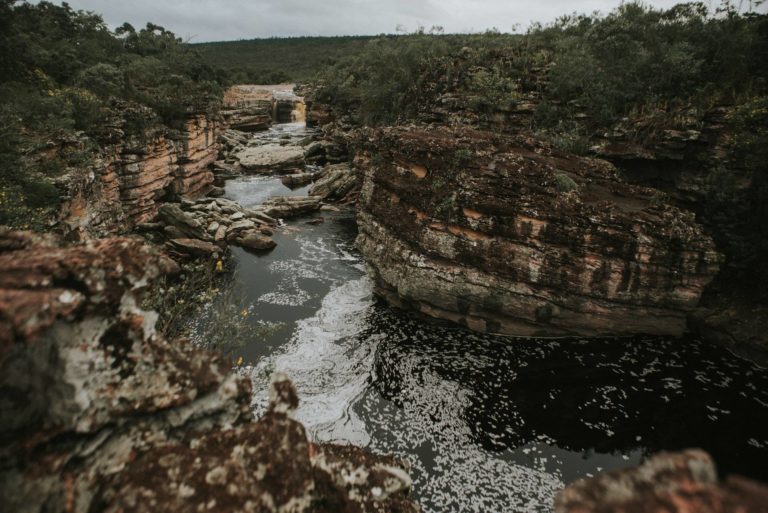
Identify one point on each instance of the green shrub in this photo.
(565, 183)
(66, 76)
(462, 157)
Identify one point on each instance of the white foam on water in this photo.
(311, 264)
(327, 363)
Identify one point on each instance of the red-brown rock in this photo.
(506, 235)
(101, 413)
(684, 482)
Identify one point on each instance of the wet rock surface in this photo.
(503, 234)
(100, 413)
(684, 482)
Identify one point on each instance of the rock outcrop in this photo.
(126, 185)
(290, 206)
(297, 180)
(247, 108)
(205, 226)
(268, 158)
(337, 183)
(684, 482)
(101, 413)
(503, 234)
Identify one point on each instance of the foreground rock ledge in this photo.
(506, 235)
(100, 413)
(684, 482)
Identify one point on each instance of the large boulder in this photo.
(296, 180)
(270, 157)
(194, 247)
(184, 223)
(506, 235)
(337, 183)
(684, 482)
(284, 207)
(254, 240)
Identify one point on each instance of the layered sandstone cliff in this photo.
(502, 234)
(126, 185)
(101, 413)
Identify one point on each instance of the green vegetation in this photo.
(393, 78)
(637, 61)
(201, 304)
(69, 86)
(565, 183)
(277, 60)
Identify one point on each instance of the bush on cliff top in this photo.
(633, 59)
(67, 81)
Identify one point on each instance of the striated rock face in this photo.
(247, 108)
(126, 186)
(693, 163)
(502, 234)
(100, 413)
(684, 482)
(337, 183)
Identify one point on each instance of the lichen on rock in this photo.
(475, 228)
(101, 413)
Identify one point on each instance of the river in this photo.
(489, 424)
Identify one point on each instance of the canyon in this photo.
(496, 231)
(414, 272)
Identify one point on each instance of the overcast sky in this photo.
(221, 20)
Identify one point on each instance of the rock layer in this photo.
(126, 186)
(502, 234)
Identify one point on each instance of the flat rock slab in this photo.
(194, 247)
(337, 182)
(290, 206)
(270, 157)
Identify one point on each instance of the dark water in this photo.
(490, 424)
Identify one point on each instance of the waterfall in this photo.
(299, 112)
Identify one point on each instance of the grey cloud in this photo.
(216, 20)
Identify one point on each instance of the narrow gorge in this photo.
(430, 272)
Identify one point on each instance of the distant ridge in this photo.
(274, 60)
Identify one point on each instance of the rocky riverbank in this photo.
(671, 482)
(102, 413)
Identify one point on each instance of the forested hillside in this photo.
(278, 60)
(69, 86)
(636, 58)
